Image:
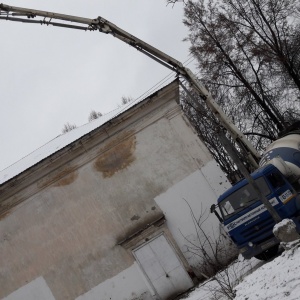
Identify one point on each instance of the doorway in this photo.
(162, 267)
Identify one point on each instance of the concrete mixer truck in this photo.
(245, 218)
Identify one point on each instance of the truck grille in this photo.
(258, 230)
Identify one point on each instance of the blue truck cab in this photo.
(246, 219)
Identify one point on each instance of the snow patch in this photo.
(278, 279)
(286, 223)
(286, 232)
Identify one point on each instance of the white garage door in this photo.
(163, 268)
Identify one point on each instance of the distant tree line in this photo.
(248, 56)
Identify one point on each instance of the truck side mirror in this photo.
(213, 210)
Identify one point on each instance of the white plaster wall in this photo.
(194, 194)
(35, 290)
(215, 178)
(69, 228)
(127, 285)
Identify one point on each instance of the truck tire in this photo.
(268, 254)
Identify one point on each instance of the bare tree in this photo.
(94, 115)
(125, 100)
(206, 125)
(248, 57)
(222, 51)
(213, 251)
(68, 127)
(274, 28)
(218, 258)
(269, 28)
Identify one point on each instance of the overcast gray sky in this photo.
(50, 76)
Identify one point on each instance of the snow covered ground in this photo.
(277, 280)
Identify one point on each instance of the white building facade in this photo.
(105, 213)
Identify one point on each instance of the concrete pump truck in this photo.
(247, 209)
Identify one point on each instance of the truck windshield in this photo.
(242, 198)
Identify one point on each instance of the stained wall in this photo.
(65, 219)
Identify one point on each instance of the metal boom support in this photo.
(26, 15)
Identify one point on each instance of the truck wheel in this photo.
(268, 254)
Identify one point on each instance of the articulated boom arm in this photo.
(26, 15)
